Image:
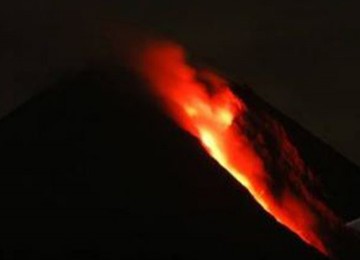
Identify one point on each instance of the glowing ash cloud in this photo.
(253, 147)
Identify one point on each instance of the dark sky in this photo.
(302, 57)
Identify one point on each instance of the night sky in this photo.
(302, 57)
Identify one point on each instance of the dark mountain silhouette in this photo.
(92, 169)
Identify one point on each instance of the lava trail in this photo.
(251, 145)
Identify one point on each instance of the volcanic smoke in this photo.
(252, 146)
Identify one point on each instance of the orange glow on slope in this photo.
(203, 104)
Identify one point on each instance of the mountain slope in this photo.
(93, 170)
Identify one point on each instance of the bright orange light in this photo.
(204, 105)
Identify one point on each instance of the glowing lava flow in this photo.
(203, 104)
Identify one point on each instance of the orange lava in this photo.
(203, 104)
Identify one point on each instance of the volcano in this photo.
(93, 169)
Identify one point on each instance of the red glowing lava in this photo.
(203, 104)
